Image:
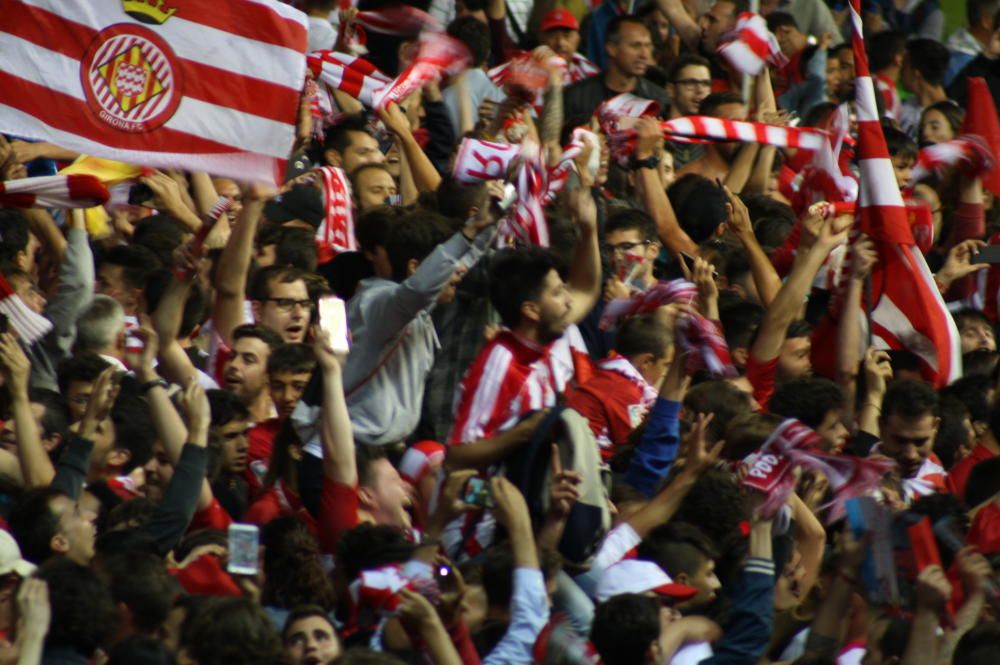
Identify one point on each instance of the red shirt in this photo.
(958, 476)
(338, 512)
(212, 517)
(260, 440)
(761, 377)
(279, 501)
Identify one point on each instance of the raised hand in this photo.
(16, 366)
(564, 487)
(197, 412)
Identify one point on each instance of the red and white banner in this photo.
(526, 223)
(350, 74)
(478, 161)
(399, 21)
(28, 324)
(751, 46)
(186, 84)
(54, 191)
(908, 311)
(438, 56)
(577, 69)
(336, 234)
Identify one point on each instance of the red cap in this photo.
(559, 18)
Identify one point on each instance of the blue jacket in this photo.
(749, 627)
(656, 452)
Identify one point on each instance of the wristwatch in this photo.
(155, 383)
(648, 163)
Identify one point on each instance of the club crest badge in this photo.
(130, 78)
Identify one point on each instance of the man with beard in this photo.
(690, 83)
(718, 158)
(245, 372)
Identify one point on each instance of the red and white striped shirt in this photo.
(887, 88)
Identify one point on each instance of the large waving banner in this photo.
(209, 85)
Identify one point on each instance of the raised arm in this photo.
(36, 467)
(682, 22)
(233, 266)
(44, 227)
(654, 198)
(425, 176)
(765, 277)
(585, 271)
(170, 199)
(339, 464)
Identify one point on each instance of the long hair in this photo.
(293, 572)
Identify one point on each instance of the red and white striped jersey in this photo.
(887, 88)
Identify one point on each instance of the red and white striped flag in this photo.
(352, 75)
(438, 55)
(526, 222)
(53, 191)
(752, 46)
(908, 311)
(29, 325)
(968, 152)
(399, 21)
(477, 161)
(336, 234)
(186, 84)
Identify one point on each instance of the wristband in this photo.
(149, 385)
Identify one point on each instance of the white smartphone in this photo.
(333, 319)
(244, 540)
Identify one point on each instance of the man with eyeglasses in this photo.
(280, 301)
(690, 83)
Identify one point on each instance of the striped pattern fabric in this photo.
(336, 234)
(908, 311)
(971, 153)
(199, 88)
(352, 75)
(438, 56)
(53, 191)
(28, 325)
(526, 223)
(752, 46)
(399, 21)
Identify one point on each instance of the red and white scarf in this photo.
(398, 21)
(751, 46)
(336, 233)
(526, 223)
(792, 445)
(54, 191)
(352, 75)
(559, 174)
(929, 480)
(438, 56)
(478, 161)
(968, 152)
(695, 333)
(28, 325)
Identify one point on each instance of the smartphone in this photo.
(243, 545)
(4, 323)
(333, 319)
(445, 578)
(139, 194)
(477, 493)
(988, 254)
(689, 262)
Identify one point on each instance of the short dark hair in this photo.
(498, 571)
(15, 235)
(55, 420)
(518, 276)
(83, 612)
(293, 567)
(33, 524)
(293, 357)
(978, 646)
(136, 261)
(369, 546)
(231, 630)
(373, 226)
(716, 503)
(711, 103)
(777, 20)
(699, 204)
(624, 627)
(140, 650)
(677, 547)
(642, 334)
(686, 60)
(296, 247)
(739, 321)
(364, 656)
(799, 328)
(721, 398)
(975, 10)
(338, 136)
(983, 482)
(364, 459)
(929, 57)
(883, 47)
(82, 367)
(413, 238)
(134, 428)
(808, 400)
(910, 399)
(951, 433)
(456, 199)
(226, 408)
(629, 219)
(305, 612)
(140, 580)
(260, 285)
(255, 331)
(474, 34)
(614, 29)
(971, 390)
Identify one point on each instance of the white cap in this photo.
(10, 557)
(635, 576)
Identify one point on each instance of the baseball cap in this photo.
(559, 18)
(11, 560)
(635, 576)
(418, 458)
(303, 202)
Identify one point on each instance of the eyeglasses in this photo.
(623, 247)
(694, 83)
(288, 304)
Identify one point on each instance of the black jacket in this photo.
(581, 99)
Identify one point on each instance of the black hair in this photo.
(338, 136)
(137, 263)
(55, 420)
(716, 503)
(721, 398)
(363, 656)
(226, 408)
(642, 334)
(929, 57)
(975, 10)
(980, 361)
(614, 29)
(474, 34)
(455, 200)
(740, 321)
(951, 111)
(969, 315)
(134, 428)
(372, 226)
(978, 646)
(910, 399)
(369, 546)
(808, 400)
(293, 569)
(413, 238)
(883, 47)
(628, 219)
(498, 571)
(160, 234)
(83, 613)
(951, 433)
(296, 247)
(305, 612)
(677, 547)
(717, 99)
(33, 524)
(518, 276)
(777, 20)
(624, 627)
(799, 328)
(14, 237)
(252, 330)
(231, 630)
(687, 60)
(983, 482)
(140, 650)
(972, 391)
(296, 358)
(82, 367)
(260, 285)
(700, 205)
(141, 582)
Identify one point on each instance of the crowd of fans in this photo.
(491, 475)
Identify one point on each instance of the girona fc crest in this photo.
(130, 78)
